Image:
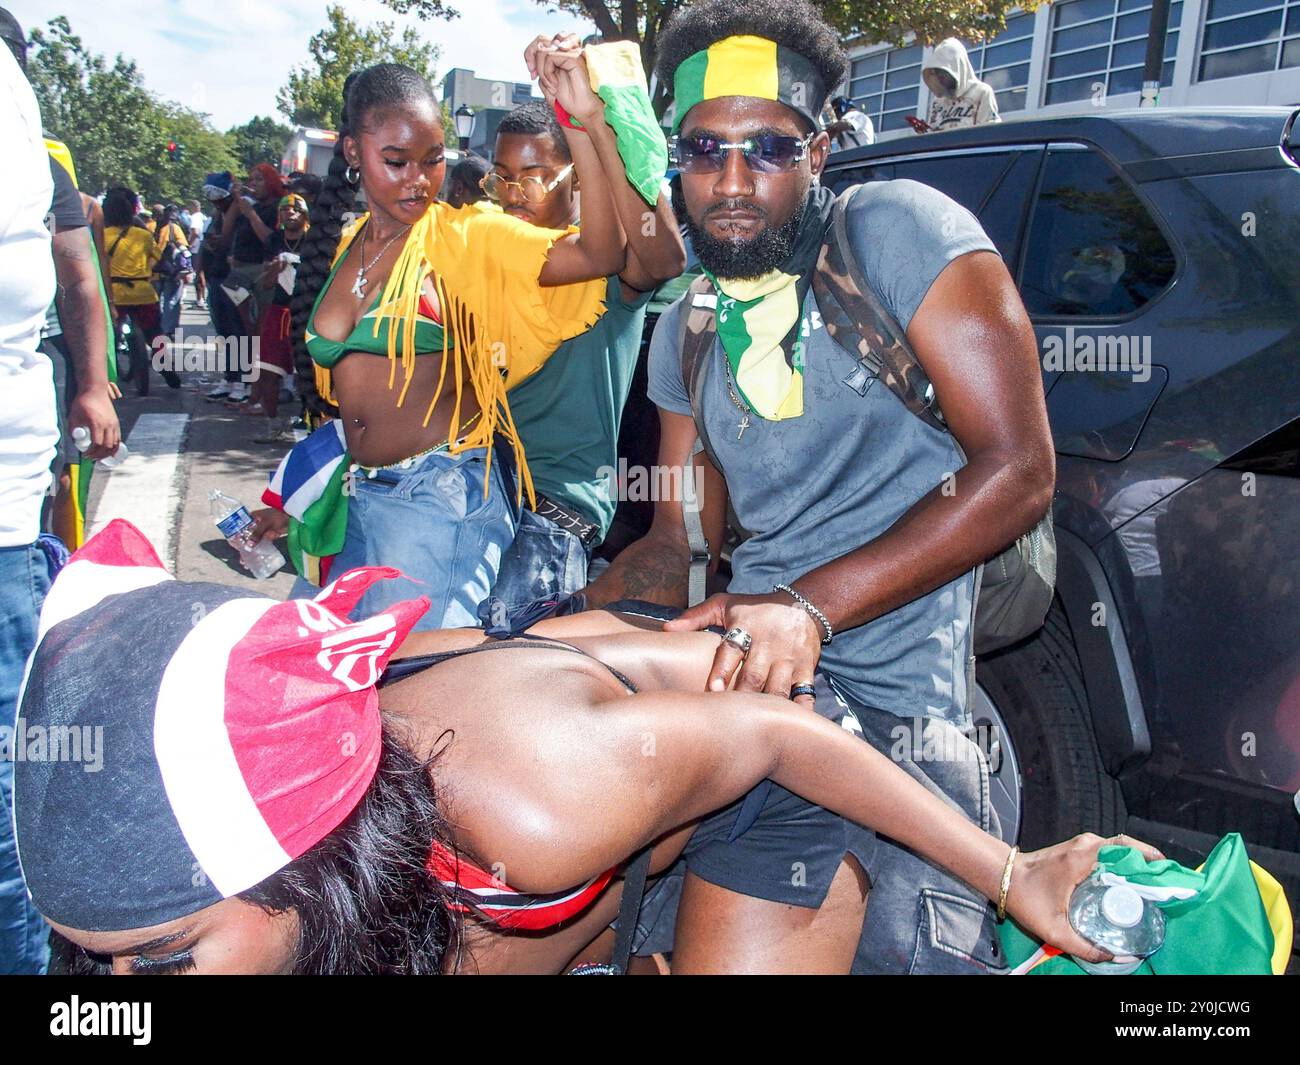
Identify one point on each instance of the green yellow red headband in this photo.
(749, 66)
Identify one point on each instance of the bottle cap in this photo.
(1122, 906)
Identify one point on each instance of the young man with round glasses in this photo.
(568, 413)
(854, 593)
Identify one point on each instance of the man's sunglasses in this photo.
(768, 153)
(533, 189)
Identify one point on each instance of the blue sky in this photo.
(228, 57)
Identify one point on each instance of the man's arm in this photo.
(655, 568)
(81, 314)
(974, 340)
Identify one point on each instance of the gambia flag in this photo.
(618, 78)
(1227, 917)
(309, 486)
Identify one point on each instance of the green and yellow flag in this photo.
(618, 78)
(1236, 921)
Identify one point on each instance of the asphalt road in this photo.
(187, 448)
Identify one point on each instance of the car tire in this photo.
(1038, 691)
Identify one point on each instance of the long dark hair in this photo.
(366, 903)
(119, 206)
(382, 86)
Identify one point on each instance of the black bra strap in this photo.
(406, 667)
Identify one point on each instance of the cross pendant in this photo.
(744, 424)
(359, 286)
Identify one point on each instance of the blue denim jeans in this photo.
(921, 919)
(24, 580)
(545, 561)
(170, 293)
(433, 522)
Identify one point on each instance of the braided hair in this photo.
(384, 86)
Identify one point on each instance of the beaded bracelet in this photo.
(816, 614)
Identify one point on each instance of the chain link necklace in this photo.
(359, 285)
(741, 405)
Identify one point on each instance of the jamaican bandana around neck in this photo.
(760, 320)
(746, 65)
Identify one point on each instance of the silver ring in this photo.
(739, 639)
(803, 689)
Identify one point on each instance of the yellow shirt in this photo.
(131, 264)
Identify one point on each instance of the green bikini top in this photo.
(429, 337)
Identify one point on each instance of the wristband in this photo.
(566, 119)
(811, 610)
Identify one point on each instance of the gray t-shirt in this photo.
(814, 488)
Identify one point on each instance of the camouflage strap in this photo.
(858, 322)
(695, 342)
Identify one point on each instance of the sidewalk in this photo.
(182, 447)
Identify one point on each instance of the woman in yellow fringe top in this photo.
(427, 316)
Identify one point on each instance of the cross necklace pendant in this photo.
(740, 404)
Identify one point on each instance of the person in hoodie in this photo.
(959, 97)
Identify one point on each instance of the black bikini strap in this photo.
(406, 667)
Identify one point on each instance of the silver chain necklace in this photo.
(359, 285)
(741, 405)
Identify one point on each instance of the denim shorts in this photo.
(544, 562)
(431, 520)
(919, 918)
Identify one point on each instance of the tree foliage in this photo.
(116, 129)
(259, 140)
(313, 95)
(858, 21)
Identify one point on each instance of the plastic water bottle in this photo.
(1120, 921)
(81, 437)
(259, 557)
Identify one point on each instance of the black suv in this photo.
(1158, 254)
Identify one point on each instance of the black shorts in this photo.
(770, 845)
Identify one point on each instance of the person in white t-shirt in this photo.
(29, 432)
(852, 127)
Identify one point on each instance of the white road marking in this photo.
(145, 488)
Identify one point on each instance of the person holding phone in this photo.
(274, 363)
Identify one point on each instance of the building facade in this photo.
(1073, 55)
(489, 100)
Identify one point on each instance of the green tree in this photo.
(858, 21)
(313, 95)
(259, 140)
(116, 129)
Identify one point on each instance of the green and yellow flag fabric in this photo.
(1236, 922)
(618, 78)
(745, 65)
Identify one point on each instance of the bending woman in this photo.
(427, 315)
(267, 810)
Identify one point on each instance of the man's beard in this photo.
(745, 258)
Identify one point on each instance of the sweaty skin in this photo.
(652, 764)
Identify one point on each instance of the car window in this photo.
(839, 180)
(1003, 214)
(968, 179)
(1094, 249)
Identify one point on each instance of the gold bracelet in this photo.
(1006, 883)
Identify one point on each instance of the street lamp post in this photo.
(465, 119)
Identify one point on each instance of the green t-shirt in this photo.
(568, 413)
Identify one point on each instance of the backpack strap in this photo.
(695, 342)
(861, 324)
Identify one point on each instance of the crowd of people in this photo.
(635, 780)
